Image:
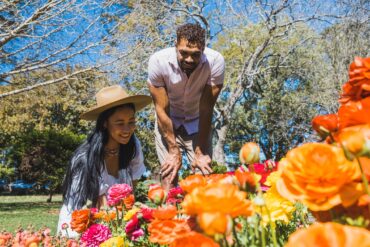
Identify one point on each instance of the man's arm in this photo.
(161, 103)
(206, 105)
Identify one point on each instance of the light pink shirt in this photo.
(184, 93)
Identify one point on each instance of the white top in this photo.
(134, 171)
(184, 93)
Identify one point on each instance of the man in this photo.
(184, 82)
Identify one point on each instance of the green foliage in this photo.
(42, 156)
(141, 190)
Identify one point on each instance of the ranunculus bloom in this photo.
(132, 225)
(129, 201)
(358, 86)
(325, 124)
(80, 220)
(329, 234)
(118, 192)
(95, 235)
(165, 213)
(194, 239)
(115, 241)
(137, 234)
(279, 208)
(249, 153)
(102, 215)
(354, 139)
(175, 195)
(354, 113)
(5, 238)
(245, 178)
(192, 181)
(213, 223)
(129, 214)
(146, 213)
(219, 178)
(320, 176)
(166, 231)
(156, 193)
(265, 169)
(213, 198)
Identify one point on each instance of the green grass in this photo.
(28, 210)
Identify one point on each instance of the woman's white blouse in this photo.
(133, 172)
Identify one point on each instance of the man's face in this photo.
(188, 55)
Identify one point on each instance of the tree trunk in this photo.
(50, 196)
(218, 151)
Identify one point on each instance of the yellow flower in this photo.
(130, 214)
(115, 241)
(278, 207)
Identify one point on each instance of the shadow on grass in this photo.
(24, 206)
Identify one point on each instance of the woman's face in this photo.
(121, 125)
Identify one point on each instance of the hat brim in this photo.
(139, 101)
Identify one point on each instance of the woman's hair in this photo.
(81, 182)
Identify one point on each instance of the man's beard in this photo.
(188, 68)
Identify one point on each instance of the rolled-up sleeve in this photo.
(217, 71)
(155, 76)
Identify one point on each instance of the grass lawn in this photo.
(25, 210)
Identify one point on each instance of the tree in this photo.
(43, 156)
(39, 36)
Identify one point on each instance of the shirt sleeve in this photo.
(155, 76)
(217, 71)
(137, 163)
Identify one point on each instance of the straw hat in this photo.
(109, 97)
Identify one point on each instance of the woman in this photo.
(110, 155)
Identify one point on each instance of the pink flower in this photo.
(137, 234)
(117, 192)
(95, 235)
(175, 195)
(132, 225)
(147, 213)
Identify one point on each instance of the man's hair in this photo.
(193, 33)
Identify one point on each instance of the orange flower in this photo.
(354, 139)
(324, 124)
(194, 239)
(102, 215)
(80, 220)
(156, 193)
(192, 181)
(320, 176)
(354, 113)
(329, 234)
(213, 223)
(245, 178)
(249, 153)
(166, 231)
(358, 86)
(165, 213)
(217, 198)
(129, 201)
(217, 178)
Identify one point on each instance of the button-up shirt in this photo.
(184, 93)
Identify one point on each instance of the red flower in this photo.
(325, 124)
(354, 113)
(358, 86)
(132, 225)
(175, 195)
(147, 213)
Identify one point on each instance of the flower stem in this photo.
(235, 235)
(364, 180)
(272, 227)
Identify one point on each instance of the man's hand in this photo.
(172, 165)
(202, 162)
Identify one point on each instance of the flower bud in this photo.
(156, 193)
(355, 141)
(249, 153)
(325, 124)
